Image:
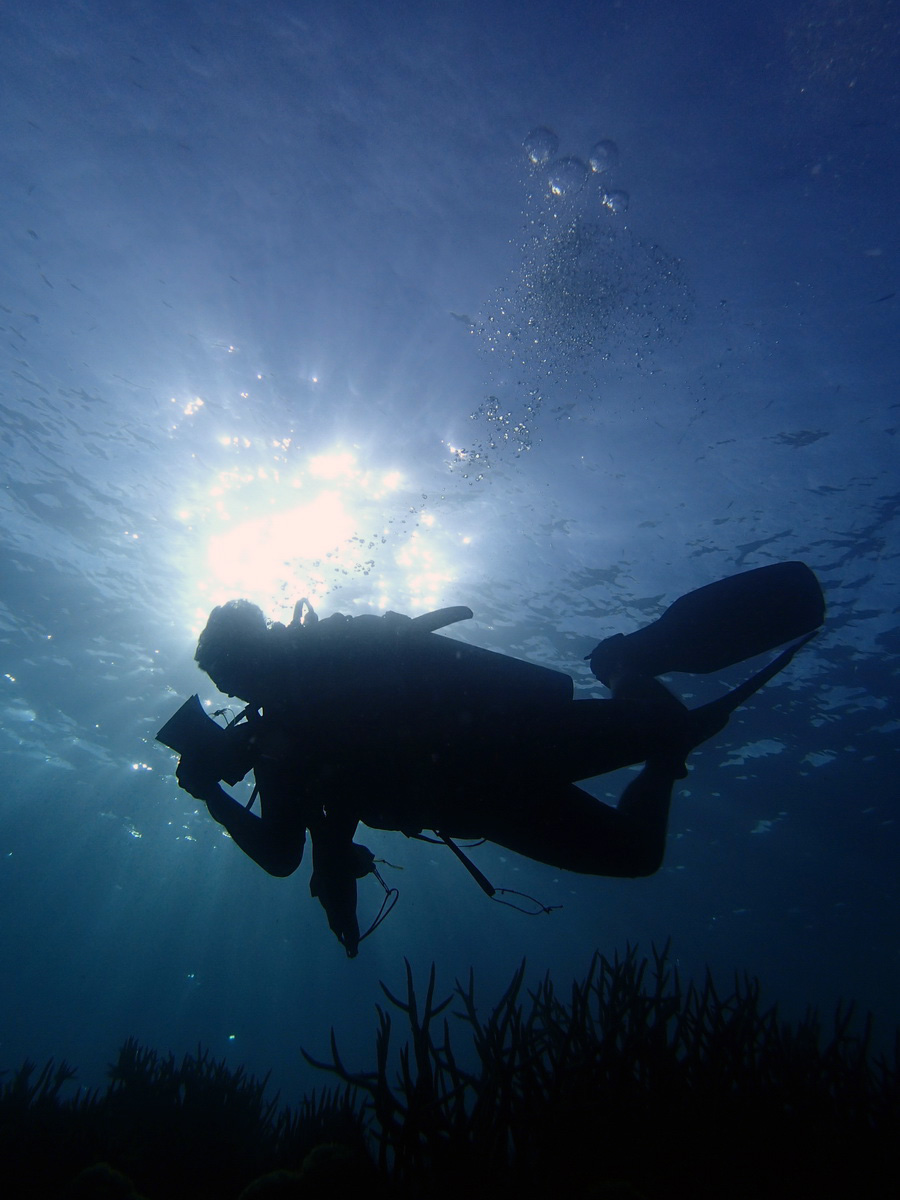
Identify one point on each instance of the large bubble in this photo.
(616, 202)
(566, 177)
(540, 145)
(603, 156)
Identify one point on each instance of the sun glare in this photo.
(254, 554)
(332, 466)
(273, 524)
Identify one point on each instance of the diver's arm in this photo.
(276, 846)
(277, 850)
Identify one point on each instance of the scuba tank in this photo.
(719, 625)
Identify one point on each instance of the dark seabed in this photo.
(555, 311)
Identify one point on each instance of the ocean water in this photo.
(554, 311)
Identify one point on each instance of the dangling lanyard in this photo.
(391, 896)
(488, 888)
(483, 882)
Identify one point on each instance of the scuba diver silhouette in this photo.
(380, 720)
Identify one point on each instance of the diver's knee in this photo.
(644, 872)
(645, 862)
(282, 865)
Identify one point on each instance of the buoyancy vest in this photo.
(398, 713)
(362, 665)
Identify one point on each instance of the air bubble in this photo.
(540, 145)
(616, 202)
(566, 176)
(603, 157)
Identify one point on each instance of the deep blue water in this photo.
(287, 309)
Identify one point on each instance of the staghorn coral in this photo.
(630, 1084)
(633, 1081)
(172, 1129)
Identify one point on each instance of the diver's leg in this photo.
(566, 828)
(643, 721)
(643, 817)
(592, 737)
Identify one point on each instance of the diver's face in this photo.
(230, 681)
(236, 674)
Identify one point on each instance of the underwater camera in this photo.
(192, 733)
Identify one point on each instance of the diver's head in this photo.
(232, 649)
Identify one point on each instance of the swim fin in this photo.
(709, 719)
(682, 729)
(719, 625)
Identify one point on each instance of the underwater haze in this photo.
(553, 310)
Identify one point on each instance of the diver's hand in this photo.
(197, 778)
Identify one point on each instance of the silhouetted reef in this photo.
(633, 1085)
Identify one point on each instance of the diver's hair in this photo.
(230, 627)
